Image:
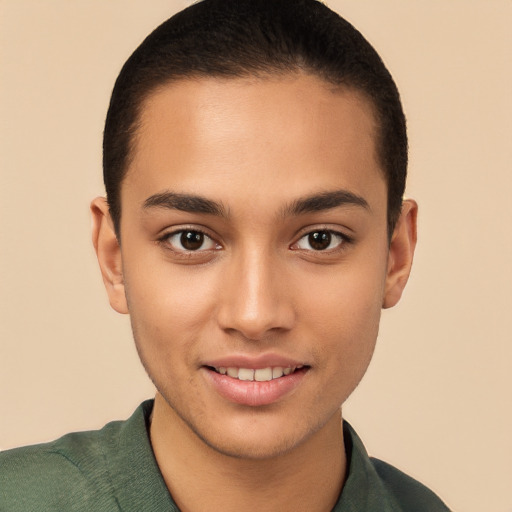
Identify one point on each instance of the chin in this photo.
(258, 435)
(250, 447)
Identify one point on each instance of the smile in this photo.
(254, 386)
(258, 375)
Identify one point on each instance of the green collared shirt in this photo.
(114, 469)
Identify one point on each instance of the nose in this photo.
(255, 300)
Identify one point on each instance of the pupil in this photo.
(192, 240)
(320, 240)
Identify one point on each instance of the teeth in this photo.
(245, 374)
(233, 372)
(260, 375)
(263, 375)
(277, 372)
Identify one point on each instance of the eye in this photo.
(189, 240)
(321, 240)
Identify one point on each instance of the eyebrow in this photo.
(185, 202)
(198, 204)
(324, 201)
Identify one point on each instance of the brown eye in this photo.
(189, 240)
(321, 240)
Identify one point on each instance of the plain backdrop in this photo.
(437, 399)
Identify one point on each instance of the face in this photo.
(255, 258)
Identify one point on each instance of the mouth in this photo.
(257, 375)
(255, 386)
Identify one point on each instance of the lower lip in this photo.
(253, 393)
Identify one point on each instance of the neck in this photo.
(307, 477)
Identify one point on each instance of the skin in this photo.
(255, 147)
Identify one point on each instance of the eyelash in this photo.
(165, 241)
(343, 241)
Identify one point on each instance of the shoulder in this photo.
(407, 492)
(67, 474)
(374, 485)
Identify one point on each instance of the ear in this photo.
(108, 252)
(401, 252)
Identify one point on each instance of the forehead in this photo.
(281, 134)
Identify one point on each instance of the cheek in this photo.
(343, 314)
(168, 308)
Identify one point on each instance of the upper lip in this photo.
(254, 362)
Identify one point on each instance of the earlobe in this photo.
(401, 252)
(108, 252)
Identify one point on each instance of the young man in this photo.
(255, 156)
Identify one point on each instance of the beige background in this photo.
(437, 399)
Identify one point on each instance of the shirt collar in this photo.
(363, 490)
(139, 485)
(134, 473)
